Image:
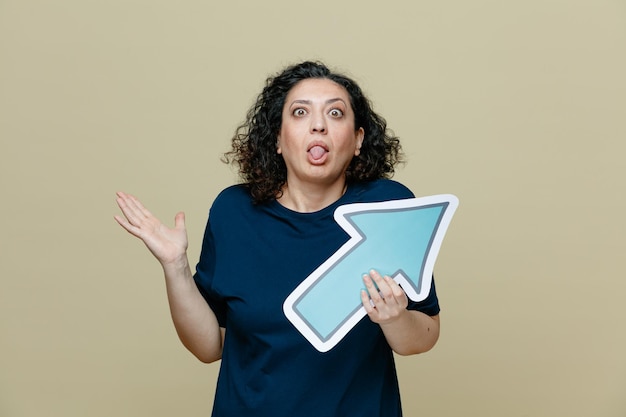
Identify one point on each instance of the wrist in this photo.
(397, 320)
(176, 264)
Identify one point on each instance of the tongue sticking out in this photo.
(317, 152)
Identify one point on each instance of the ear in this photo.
(278, 149)
(360, 135)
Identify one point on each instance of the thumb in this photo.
(179, 221)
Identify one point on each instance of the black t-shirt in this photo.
(253, 257)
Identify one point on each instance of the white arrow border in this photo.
(355, 238)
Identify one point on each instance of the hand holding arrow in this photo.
(383, 299)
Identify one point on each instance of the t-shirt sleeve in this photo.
(204, 276)
(430, 305)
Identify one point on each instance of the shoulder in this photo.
(231, 198)
(380, 190)
(233, 192)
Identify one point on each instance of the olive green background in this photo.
(517, 107)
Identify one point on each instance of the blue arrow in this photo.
(399, 238)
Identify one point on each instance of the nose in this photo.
(318, 124)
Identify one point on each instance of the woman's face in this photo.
(318, 138)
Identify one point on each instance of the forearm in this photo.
(412, 332)
(195, 322)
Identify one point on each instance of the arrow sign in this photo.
(399, 238)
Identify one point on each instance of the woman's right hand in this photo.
(169, 246)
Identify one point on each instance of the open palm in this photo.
(167, 245)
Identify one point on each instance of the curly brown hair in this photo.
(253, 150)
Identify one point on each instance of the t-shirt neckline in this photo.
(275, 205)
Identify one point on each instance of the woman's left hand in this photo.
(384, 300)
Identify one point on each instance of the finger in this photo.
(127, 199)
(138, 206)
(128, 209)
(394, 287)
(134, 206)
(382, 284)
(122, 203)
(372, 290)
(179, 221)
(134, 222)
(367, 302)
(121, 221)
(134, 211)
(135, 231)
(398, 294)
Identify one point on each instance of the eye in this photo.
(299, 112)
(336, 113)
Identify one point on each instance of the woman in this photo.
(310, 144)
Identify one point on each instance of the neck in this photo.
(311, 198)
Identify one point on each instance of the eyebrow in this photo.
(309, 102)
